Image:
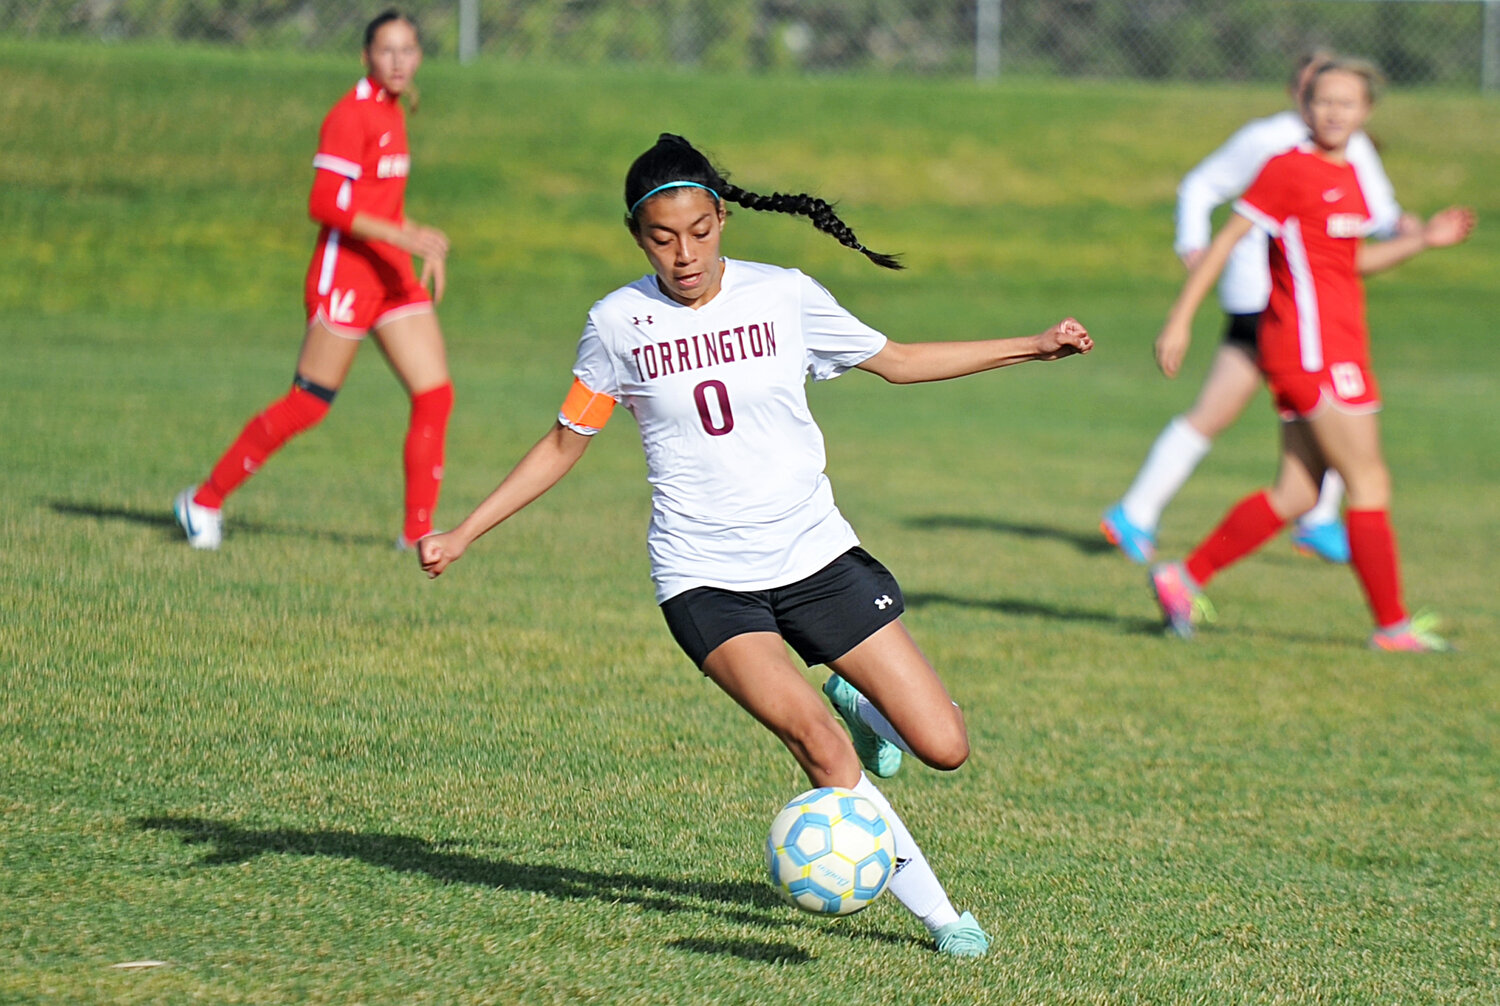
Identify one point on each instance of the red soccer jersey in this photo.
(1316, 216)
(363, 139)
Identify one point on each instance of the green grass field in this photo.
(296, 771)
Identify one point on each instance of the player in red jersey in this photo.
(360, 279)
(1314, 352)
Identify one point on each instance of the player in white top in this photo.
(748, 551)
(1244, 288)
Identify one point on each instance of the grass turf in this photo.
(296, 771)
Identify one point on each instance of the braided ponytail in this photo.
(675, 160)
(819, 211)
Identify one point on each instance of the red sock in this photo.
(423, 457)
(261, 437)
(1244, 529)
(1372, 553)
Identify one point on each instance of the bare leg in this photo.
(755, 670)
(890, 671)
(413, 344)
(1232, 381)
(326, 357)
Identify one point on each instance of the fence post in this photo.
(987, 39)
(468, 31)
(1489, 55)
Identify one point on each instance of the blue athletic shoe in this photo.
(878, 755)
(1138, 545)
(1325, 541)
(963, 938)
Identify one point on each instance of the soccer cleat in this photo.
(1323, 541)
(1138, 545)
(404, 544)
(1415, 635)
(963, 938)
(1182, 602)
(204, 527)
(878, 755)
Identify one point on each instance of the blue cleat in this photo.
(878, 755)
(1324, 541)
(963, 938)
(1138, 544)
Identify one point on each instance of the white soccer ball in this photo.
(830, 852)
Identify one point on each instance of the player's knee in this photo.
(948, 753)
(822, 747)
(948, 748)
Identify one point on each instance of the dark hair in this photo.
(674, 159)
(384, 18)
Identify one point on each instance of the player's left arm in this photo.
(1446, 228)
(916, 362)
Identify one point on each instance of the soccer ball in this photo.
(830, 852)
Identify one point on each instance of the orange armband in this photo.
(584, 408)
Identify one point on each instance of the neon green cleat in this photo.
(878, 755)
(963, 938)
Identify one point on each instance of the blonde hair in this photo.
(1312, 58)
(1361, 68)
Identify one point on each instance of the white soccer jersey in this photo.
(1225, 174)
(733, 455)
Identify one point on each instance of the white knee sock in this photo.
(1330, 502)
(876, 721)
(1177, 451)
(914, 885)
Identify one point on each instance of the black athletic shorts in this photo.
(1240, 330)
(822, 616)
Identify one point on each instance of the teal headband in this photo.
(674, 185)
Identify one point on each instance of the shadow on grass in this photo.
(738, 901)
(163, 519)
(749, 950)
(1022, 606)
(1090, 542)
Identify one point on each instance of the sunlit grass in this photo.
(296, 771)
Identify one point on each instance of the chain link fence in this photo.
(1448, 43)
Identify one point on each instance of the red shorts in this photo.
(353, 286)
(1347, 386)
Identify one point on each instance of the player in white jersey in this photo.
(1244, 288)
(748, 551)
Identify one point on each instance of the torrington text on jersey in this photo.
(657, 359)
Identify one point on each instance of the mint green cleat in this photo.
(878, 755)
(963, 938)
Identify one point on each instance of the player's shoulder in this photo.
(627, 302)
(764, 278)
(362, 100)
(1274, 132)
(1296, 159)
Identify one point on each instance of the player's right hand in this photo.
(1449, 227)
(1172, 346)
(437, 551)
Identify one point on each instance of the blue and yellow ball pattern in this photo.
(830, 852)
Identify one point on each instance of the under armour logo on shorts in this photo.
(883, 602)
